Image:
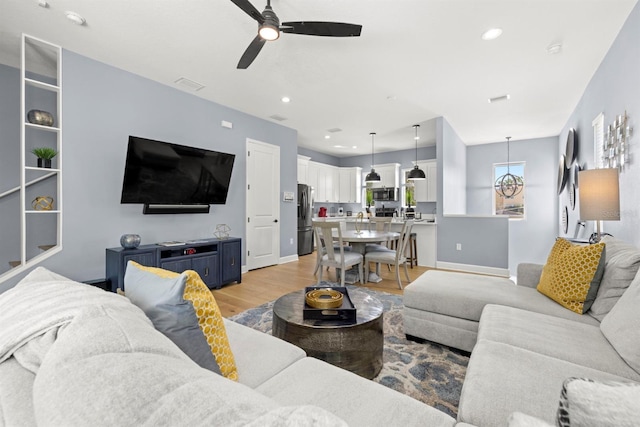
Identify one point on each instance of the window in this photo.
(514, 206)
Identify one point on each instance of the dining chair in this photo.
(333, 254)
(320, 252)
(382, 223)
(396, 257)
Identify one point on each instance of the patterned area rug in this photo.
(427, 372)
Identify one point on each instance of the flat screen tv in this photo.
(162, 173)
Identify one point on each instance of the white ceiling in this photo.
(415, 60)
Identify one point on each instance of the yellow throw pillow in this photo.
(209, 318)
(211, 323)
(572, 274)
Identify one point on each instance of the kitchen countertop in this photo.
(366, 220)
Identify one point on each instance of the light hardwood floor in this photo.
(269, 283)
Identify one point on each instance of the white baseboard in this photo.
(286, 259)
(494, 271)
(244, 269)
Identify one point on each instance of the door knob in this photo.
(275, 220)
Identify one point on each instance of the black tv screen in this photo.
(159, 172)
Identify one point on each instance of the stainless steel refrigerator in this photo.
(305, 215)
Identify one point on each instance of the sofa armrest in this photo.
(529, 274)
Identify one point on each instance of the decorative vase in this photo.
(42, 203)
(39, 117)
(130, 241)
(44, 163)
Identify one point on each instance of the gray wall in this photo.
(614, 88)
(102, 107)
(484, 240)
(9, 165)
(531, 238)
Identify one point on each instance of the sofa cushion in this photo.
(275, 354)
(572, 274)
(584, 402)
(559, 338)
(464, 295)
(148, 381)
(622, 325)
(161, 298)
(357, 401)
(518, 419)
(622, 262)
(502, 379)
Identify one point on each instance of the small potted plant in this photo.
(44, 155)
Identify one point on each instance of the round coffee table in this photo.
(356, 347)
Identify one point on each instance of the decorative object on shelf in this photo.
(372, 176)
(571, 150)
(616, 143)
(39, 117)
(563, 175)
(130, 241)
(324, 298)
(599, 196)
(44, 155)
(509, 185)
(222, 231)
(416, 173)
(42, 203)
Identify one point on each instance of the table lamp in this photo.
(599, 196)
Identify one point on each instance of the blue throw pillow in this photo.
(162, 301)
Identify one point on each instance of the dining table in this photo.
(359, 239)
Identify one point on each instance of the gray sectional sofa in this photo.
(74, 355)
(523, 345)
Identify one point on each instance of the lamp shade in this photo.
(372, 176)
(416, 174)
(599, 195)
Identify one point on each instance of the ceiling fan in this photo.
(269, 29)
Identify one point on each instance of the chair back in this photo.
(380, 223)
(328, 232)
(403, 240)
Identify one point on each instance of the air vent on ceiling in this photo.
(334, 130)
(189, 84)
(278, 117)
(499, 98)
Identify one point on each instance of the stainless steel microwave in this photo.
(385, 194)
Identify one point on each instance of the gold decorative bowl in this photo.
(324, 298)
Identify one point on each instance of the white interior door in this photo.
(263, 204)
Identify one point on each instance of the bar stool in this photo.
(413, 250)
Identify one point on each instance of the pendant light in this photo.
(509, 185)
(416, 173)
(372, 176)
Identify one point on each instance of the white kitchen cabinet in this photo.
(426, 190)
(312, 177)
(303, 169)
(389, 175)
(350, 186)
(327, 179)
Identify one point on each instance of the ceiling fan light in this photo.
(372, 176)
(269, 32)
(416, 174)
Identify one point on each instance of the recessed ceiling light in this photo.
(338, 146)
(492, 34)
(327, 137)
(43, 3)
(554, 48)
(75, 18)
(286, 99)
(354, 147)
(499, 98)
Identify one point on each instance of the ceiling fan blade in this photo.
(249, 9)
(316, 28)
(250, 54)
